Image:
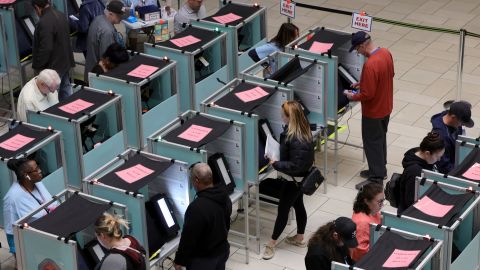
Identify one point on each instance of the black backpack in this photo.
(392, 189)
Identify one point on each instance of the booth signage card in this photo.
(400, 258)
(320, 47)
(75, 106)
(2, 2)
(185, 41)
(362, 21)
(227, 18)
(287, 8)
(195, 133)
(142, 71)
(473, 172)
(252, 94)
(431, 207)
(134, 173)
(16, 142)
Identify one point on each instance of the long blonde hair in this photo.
(298, 126)
(110, 225)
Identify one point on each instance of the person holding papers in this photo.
(296, 158)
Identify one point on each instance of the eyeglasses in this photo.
(37, 169)
(381, 202)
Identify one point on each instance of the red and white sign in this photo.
(362, 22)
(287, 8)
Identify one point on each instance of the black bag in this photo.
(392, 189)
(312, 181)
(162, 225)
(221, 171)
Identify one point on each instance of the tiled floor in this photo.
(426, 69)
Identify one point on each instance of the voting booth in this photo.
(463, 148)
(92, 127)
(135, 179)
(58, 239)
(392, 248)
(245, 26)
(148, 86)
(445, 212)
(44, 145)
(201, 59)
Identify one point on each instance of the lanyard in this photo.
(39, 201)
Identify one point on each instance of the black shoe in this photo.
(378, 180)
(365, 174)
(361, 184)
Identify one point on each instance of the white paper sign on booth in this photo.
(362, 22)
(287, 8)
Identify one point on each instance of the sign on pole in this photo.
(362, 21)
(287, 8)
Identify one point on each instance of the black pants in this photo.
(214, 262)
(291, 195)
(374, 137)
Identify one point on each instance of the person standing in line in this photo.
(376, 96)
(89, 9)
(191, 10)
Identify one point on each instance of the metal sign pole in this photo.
(461, 53)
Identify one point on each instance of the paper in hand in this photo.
(272, 149)
(73, 17)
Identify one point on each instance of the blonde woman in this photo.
(125, 252)
(296, 158)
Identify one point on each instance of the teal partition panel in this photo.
(11, 52)
(469, 258)
(55, 181)
(208, 86)
(451, 180)
(3, 45)
(5, 175)
(410, 225)
(159, 116)
(103, 153)
(172, 151)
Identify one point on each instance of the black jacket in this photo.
(317, 257)
(449, 135)
(412, 167)
(206, 226)
(296, 157)
(51, 43)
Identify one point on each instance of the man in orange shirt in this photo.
(376, 96)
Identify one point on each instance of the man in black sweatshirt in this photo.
(204, 244)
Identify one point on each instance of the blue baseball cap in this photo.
(359, 38)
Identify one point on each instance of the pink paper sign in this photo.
(473, 172)
(134, 173)
(16, 142)
(431, 207)
(185, 41)
(142, 71)
(3, 2)
(252, 94)
(195, 133)
(230, 17)
(320, 47)
(76, 106)
(401, 258)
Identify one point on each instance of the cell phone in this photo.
(354, 91)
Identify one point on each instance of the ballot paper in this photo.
(272, 149)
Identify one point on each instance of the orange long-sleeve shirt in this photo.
(363, 233)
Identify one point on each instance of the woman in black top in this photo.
(296, 158)
(415, 160)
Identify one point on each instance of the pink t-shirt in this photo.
(363, 233)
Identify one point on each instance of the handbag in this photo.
(311, 181)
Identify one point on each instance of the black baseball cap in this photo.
(347, 229)
(463, 111)
(117, 7)
(358, 38)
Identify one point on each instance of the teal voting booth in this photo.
(464, 145)
(167, 176)
(201, 59)
(245, 26)
(44, 145)
(459, 234)
(390, 246)
(55, 239)
(148, 86)
(92, 127)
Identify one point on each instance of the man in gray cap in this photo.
(102, 33)
(449, 125)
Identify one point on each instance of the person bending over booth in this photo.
(366, 210)
(191, 10)
(204, 243)
(124, 252)
(38, 94)
(296, 159)
(113, 56)
(24, 196)
(449, 125)
(89, 9)
(331, 243)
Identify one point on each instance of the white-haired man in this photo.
(39, 93)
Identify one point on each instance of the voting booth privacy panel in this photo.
(135, 178)
(391, 248)
(148, 86)
(58, 239)
(464, 157)
(245, 26)
(446, 212)
(92, 127)
(41, 144)
(201, 59)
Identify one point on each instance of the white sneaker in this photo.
(268, 253)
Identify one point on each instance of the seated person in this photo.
(366, 210)
(24, 196)
(331, 243)
(38, 94)
(125, 252)
(113, 56)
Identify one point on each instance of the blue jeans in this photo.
(65, 88)
(11, 243)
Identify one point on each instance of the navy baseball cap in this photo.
(463, 111)
(358, 38)
(347, 229)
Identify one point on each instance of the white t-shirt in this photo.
(185, 14)
(32, 99)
